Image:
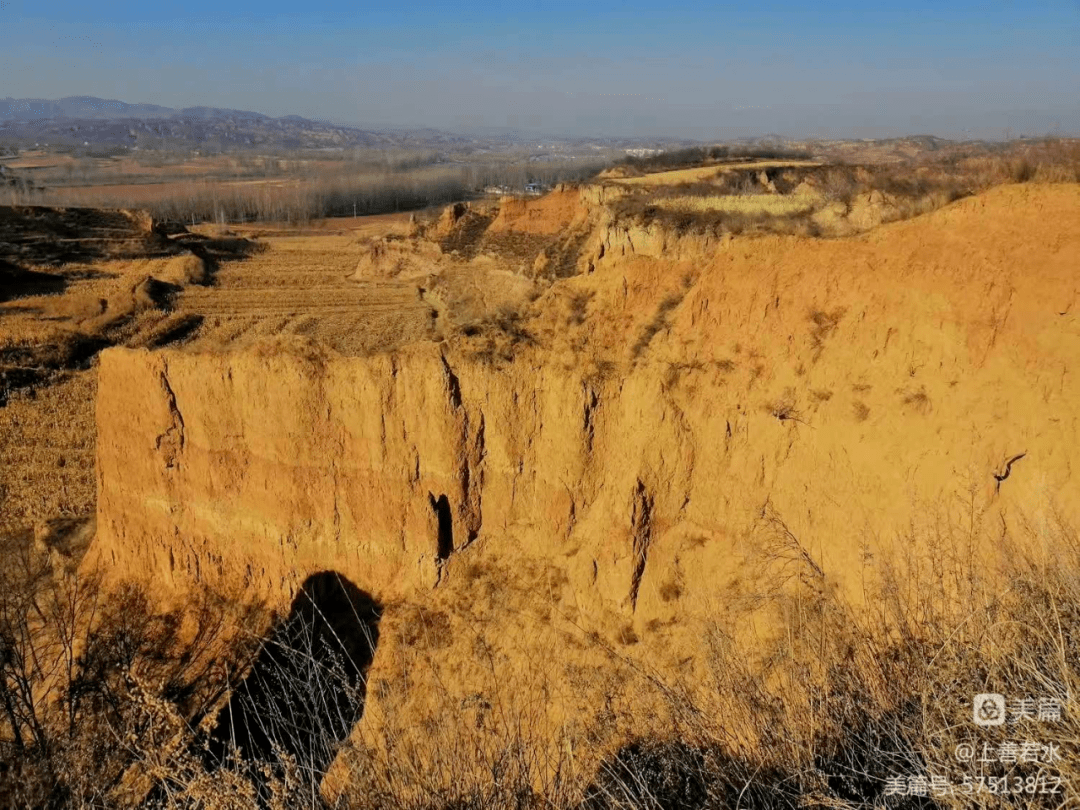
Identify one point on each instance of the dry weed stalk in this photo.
(838, 703)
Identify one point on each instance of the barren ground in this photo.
(619, 463)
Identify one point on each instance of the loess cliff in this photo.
(686, 426)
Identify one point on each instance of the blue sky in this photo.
(701, 70)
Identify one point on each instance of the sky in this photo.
(702, 70)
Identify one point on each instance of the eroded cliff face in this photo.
(850, 406)
(260, 469)
(708, 425)
(846, 385)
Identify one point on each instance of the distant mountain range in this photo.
(86, 121)
(109, 125)
(90, 108)
(96, 122)
(33, 109)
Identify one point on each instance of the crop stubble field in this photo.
(300, 285)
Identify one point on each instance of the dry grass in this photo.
(813, 199)
(701, 173)
(47, 452)
(843, 703)
(773, 206)
(716, 155)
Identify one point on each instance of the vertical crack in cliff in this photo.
(685, 445)
(472, 478)
(453, 385)
(444, 538)
(472, 452)
(172, 441)
(588, 427)
(641, 523)
(338, 438)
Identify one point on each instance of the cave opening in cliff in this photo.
(445, 539)
(306, 688)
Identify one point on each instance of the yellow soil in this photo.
(688, 442)
(549, 214)
(298, 285)
(696, 430)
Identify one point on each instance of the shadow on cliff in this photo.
(306, 689)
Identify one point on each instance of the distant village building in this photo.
(529, 188)
(641, 153)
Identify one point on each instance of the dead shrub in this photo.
(823, 325)
(627, 635)
(670, 591)
(784, 407)
(578, 307)
(426, 629)
(918, 401)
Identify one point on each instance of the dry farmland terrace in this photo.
(299, 284)
(73, 281)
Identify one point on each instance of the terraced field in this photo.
(47, 454)
(299, 285)
(75, 281)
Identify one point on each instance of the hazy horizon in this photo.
(693, 71)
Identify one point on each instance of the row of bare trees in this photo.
(296, 189)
